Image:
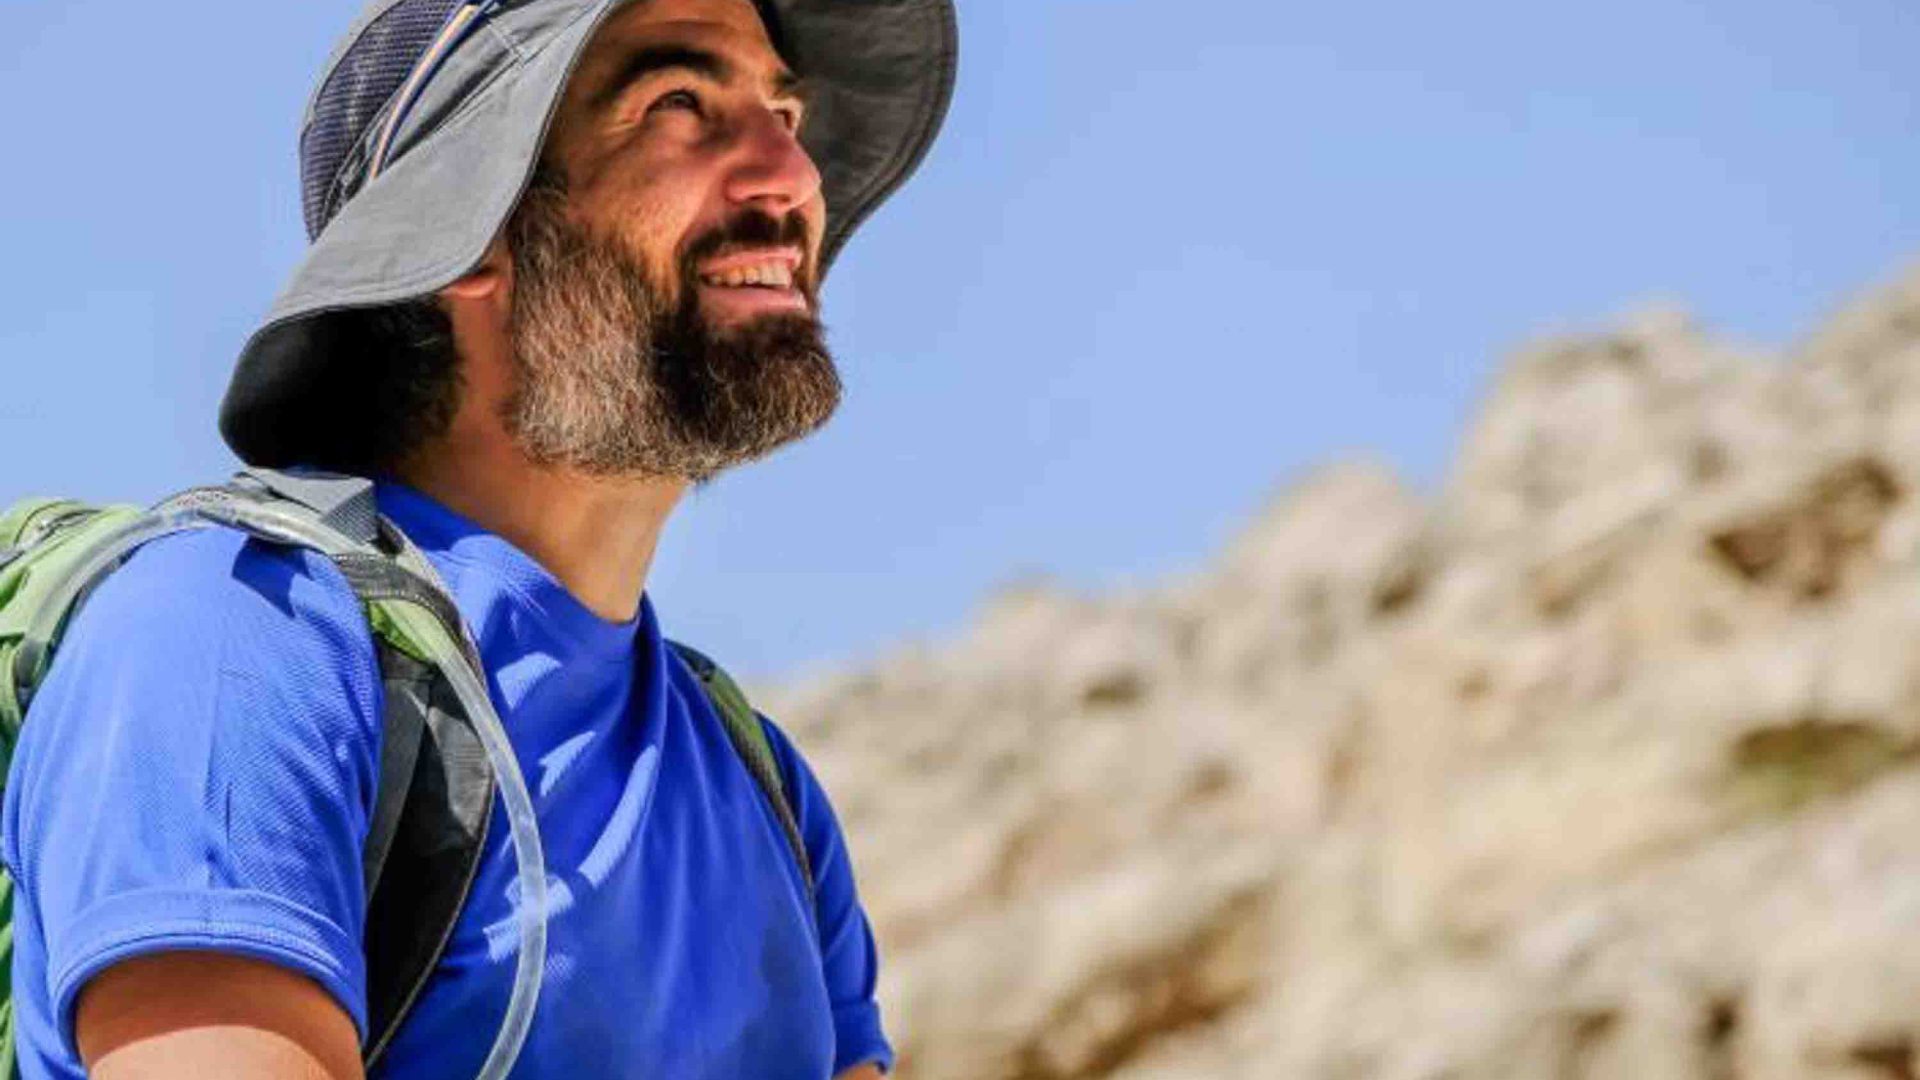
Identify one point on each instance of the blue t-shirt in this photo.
(199, 766)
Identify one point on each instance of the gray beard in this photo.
(610, 382)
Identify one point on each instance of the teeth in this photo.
(769, 274)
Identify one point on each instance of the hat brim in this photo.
(881, 76)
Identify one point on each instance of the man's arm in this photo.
(194, 1015)
(190, 1015)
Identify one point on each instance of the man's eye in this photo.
(791, 118)
(676, 99)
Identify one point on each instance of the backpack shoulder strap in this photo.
(750, 742)
(347, 505)
(342, 503)
(436, 793)
(434, 805)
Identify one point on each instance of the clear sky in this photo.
(1165, 257)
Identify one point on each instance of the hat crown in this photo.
(355, 93)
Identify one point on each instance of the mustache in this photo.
(747, 231)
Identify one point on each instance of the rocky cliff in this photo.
(1601, 761)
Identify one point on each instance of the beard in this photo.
(613, 377)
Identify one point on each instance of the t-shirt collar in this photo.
(462, 550)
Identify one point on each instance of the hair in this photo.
(393, 387)
(395, 382)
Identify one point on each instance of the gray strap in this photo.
(751, 745)
(343, 503)
(408, 684)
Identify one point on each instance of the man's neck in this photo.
(596, 536)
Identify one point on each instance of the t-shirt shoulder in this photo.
(222, 570)
(211, 630)
(198, 767)
(215, 599)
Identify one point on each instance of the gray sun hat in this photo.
(426, 127)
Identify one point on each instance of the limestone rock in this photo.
(1603, 762)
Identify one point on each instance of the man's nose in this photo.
(773, 170)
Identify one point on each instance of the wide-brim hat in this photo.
(474, 85)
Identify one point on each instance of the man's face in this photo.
(664, 306)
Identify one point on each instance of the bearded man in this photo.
(565, 264)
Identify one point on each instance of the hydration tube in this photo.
(265, 520)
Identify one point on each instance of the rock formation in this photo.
(1602, 761)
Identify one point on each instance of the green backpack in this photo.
(438, 782)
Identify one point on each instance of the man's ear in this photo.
(488, 282)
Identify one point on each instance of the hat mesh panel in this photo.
(356, 92)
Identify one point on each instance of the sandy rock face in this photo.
(1603, 762)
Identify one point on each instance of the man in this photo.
(566, 262)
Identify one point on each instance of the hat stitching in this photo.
(492, 28)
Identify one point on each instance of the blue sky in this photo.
(1165, 258)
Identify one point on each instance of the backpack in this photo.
(438, 770)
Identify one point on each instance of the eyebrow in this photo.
(646, 62)
(787, 84)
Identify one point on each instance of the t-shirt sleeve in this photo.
(849, 958)
(198, 767)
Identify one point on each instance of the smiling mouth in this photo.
(755, 282)
(768, 274)
(753, 268)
